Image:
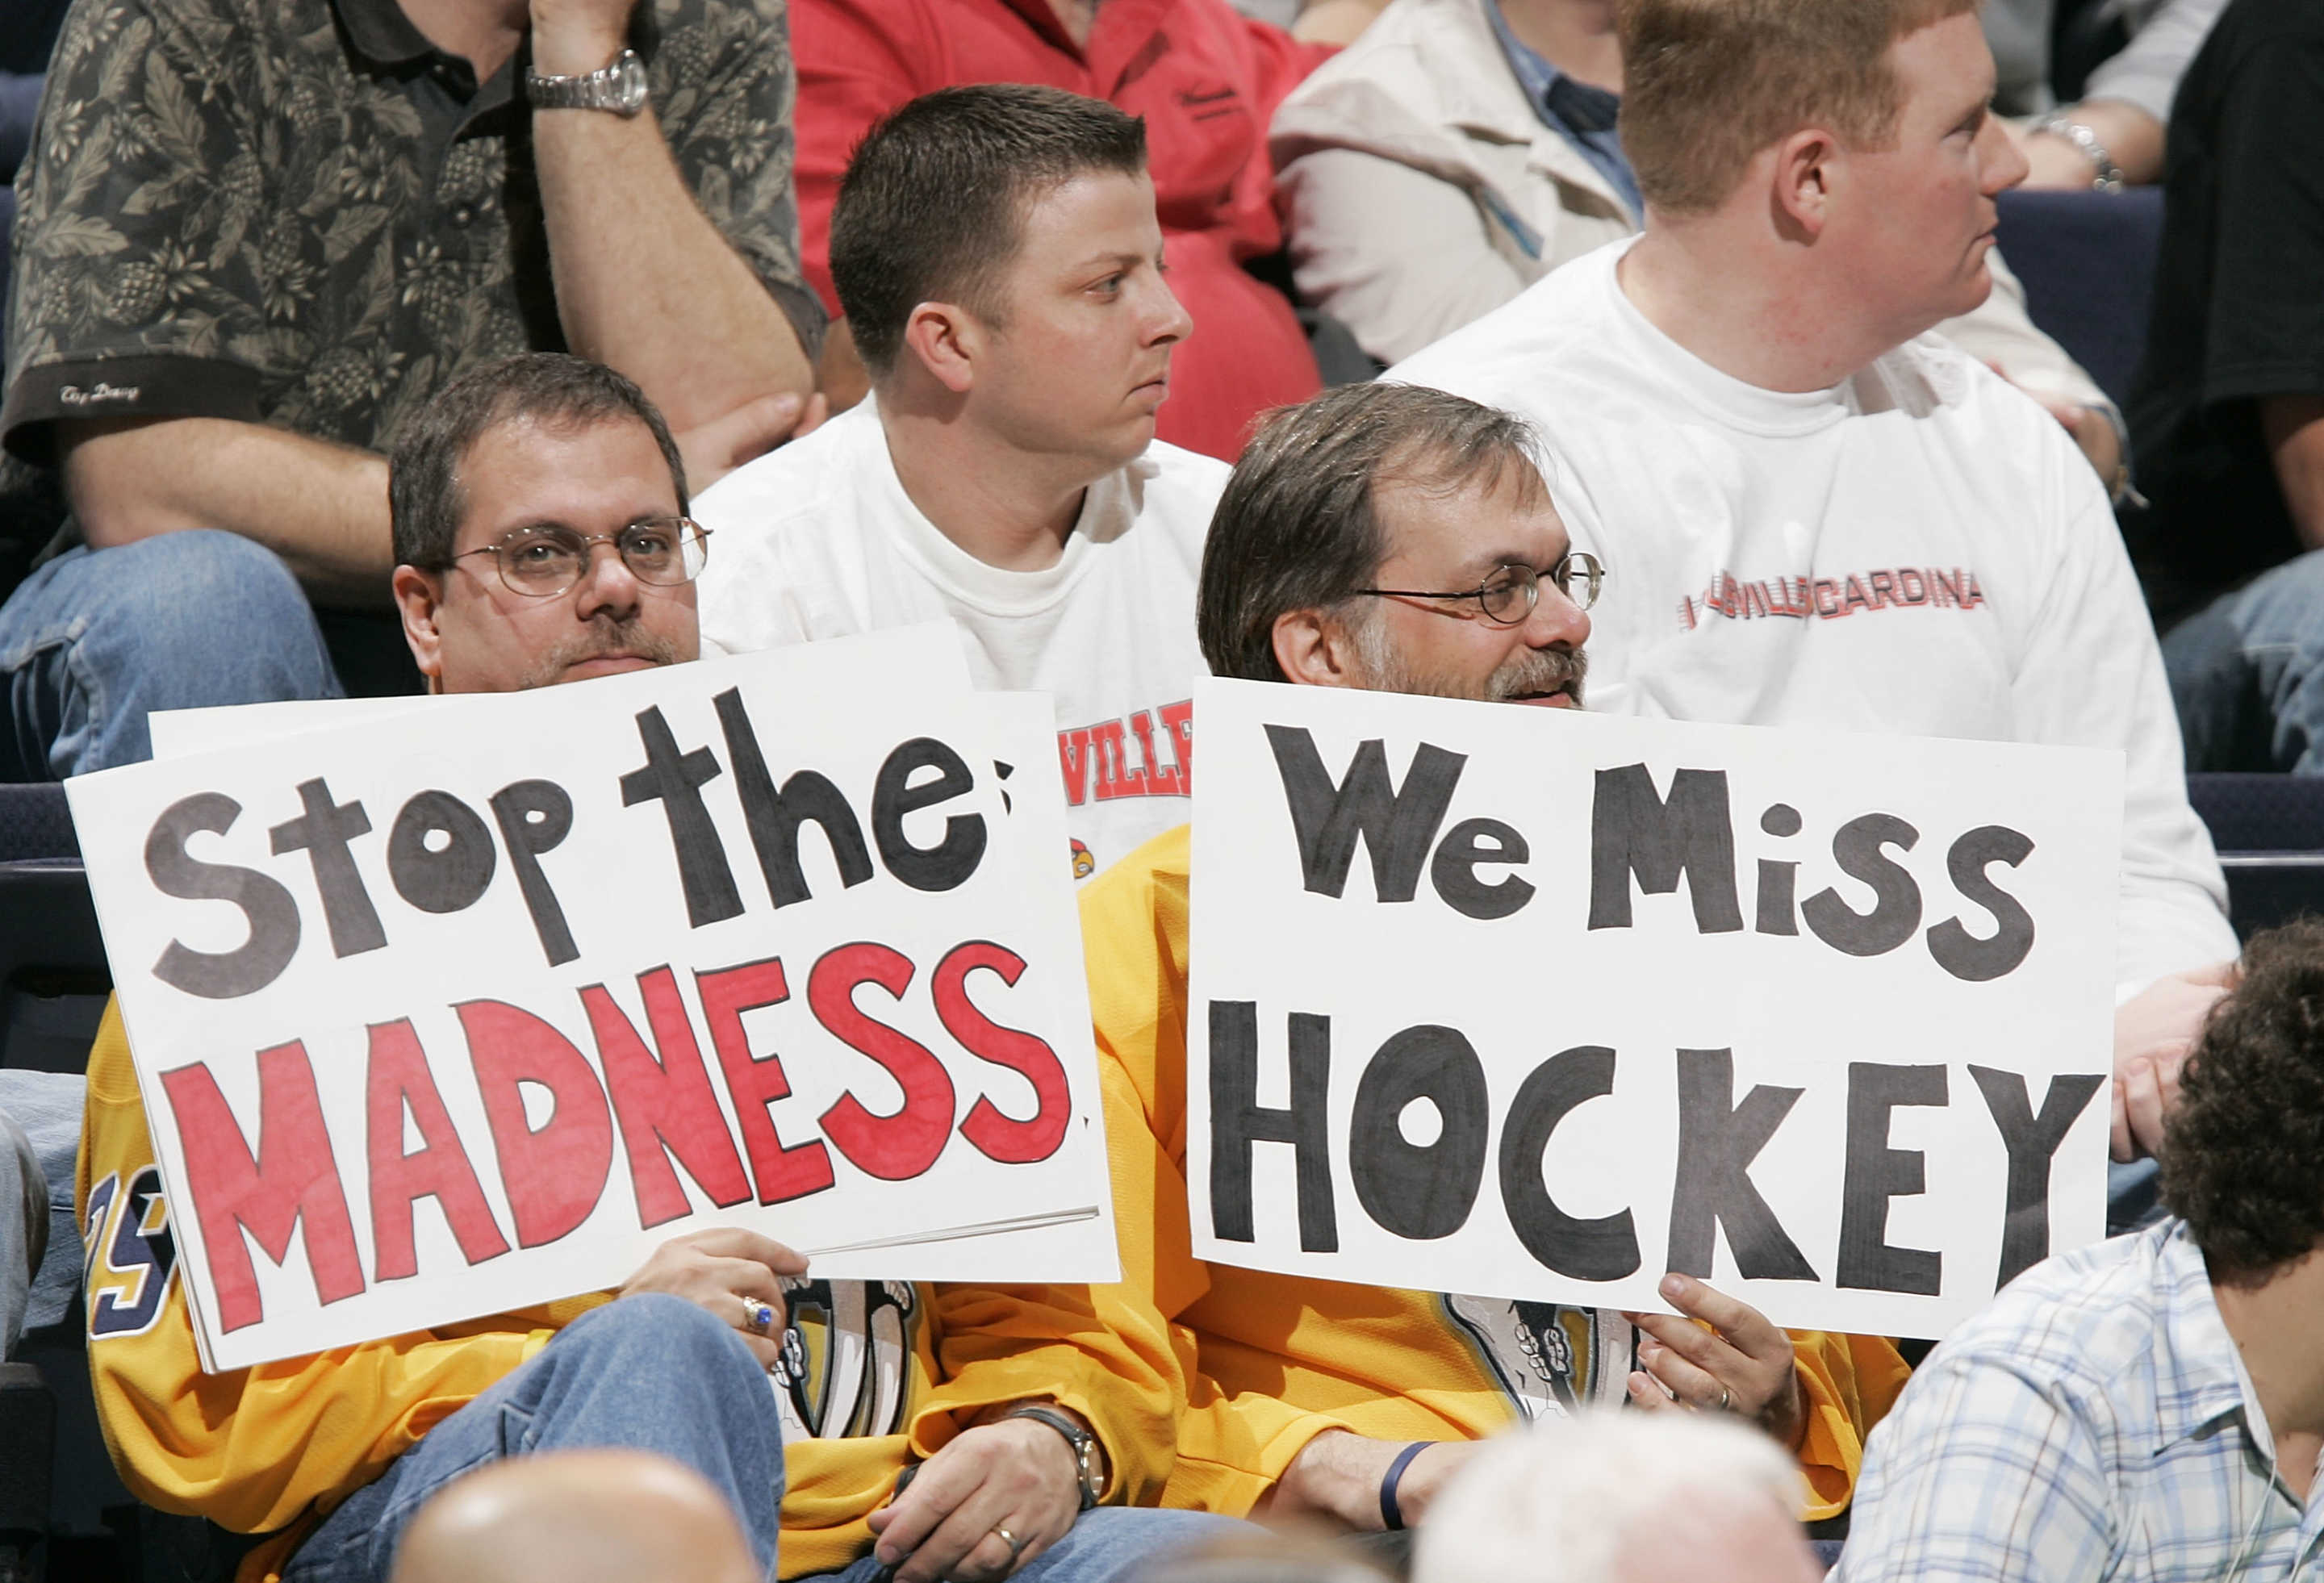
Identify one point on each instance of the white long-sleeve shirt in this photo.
(1919, 550)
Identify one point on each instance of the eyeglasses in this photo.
(1507, 596)
(546, 560)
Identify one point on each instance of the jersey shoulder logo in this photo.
(131, 1254)
(846, 1367)
(1551, 1361)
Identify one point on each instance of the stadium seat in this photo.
(53, 974)
(35, 822)
(2268, 829)
(2088, 263)
(27, 1431)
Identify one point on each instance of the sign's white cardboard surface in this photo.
(1528, 1004)
(538, 989)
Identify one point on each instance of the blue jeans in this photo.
(39, 1133)
(95, 639)
(1106, 1545)
(656, 1373)
(2247, 674)
(650, 1373)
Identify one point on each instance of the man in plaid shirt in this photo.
(2151, 1409)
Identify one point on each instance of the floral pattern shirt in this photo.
(301, 213)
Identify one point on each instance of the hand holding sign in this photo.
(2153, 1034)
(730, 1273)
(1742, 1364)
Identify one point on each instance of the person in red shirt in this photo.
(1207, 81)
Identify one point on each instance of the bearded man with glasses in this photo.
(1401, 539)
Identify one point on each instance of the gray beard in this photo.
(1532, 670)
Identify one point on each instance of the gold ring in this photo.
(1015, 1545)
(759, 1318)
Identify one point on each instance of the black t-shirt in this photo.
(2238, 302)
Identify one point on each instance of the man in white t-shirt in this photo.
(996, 252)
(1810, 509)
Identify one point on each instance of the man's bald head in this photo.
(605, 1516)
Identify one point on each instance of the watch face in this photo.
(630, 85)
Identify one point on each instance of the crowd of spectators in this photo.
(357, 347)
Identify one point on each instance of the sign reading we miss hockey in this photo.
(1533, 1005)
(471, 1007)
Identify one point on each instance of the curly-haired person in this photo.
(2150, 1409)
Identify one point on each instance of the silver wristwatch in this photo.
(1084, 1444)
(619, 87)
(2106, 176)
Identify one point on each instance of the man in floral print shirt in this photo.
(256, 236)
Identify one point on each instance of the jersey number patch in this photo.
(131, 1255)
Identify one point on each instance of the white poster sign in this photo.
(1535, 1005)
(453, 1010)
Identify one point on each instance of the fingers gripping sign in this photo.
(993, 1499)
(734, 1273)
(1717, 1354)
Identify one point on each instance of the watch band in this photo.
(2106, 175)
(618, 86)
(1082, 1442)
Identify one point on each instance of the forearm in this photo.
(2132, 138)
(841, 374)
(1334, 22)
(2293, 428)
(1338, 1477)
(644, 281)
(2145, 72)
(322, 508)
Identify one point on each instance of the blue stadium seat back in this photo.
(35, 821)
(2088, 263)
(2268, 829)
(2261, 813)
(53, 979)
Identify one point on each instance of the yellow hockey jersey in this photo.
(1272, 1361)
(883, 1373)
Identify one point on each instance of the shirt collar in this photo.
(381, 33)
(1580, 107)
(2201, 1380)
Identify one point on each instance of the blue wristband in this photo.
(1392, 1514)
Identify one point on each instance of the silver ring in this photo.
(1726, 1399)
(1015, 1545)
(758, 1318)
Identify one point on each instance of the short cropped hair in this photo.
(932, 208)
(424, 498)
(1707, 84)
(1298, 526)
(1560, 1500)
(2243, 1153)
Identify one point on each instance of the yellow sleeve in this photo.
(1850, 1382)
(254, 1448)
(1232, 1449)
(1104, 1352)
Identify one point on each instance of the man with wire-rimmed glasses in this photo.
(540, 531)
(1395, 538)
